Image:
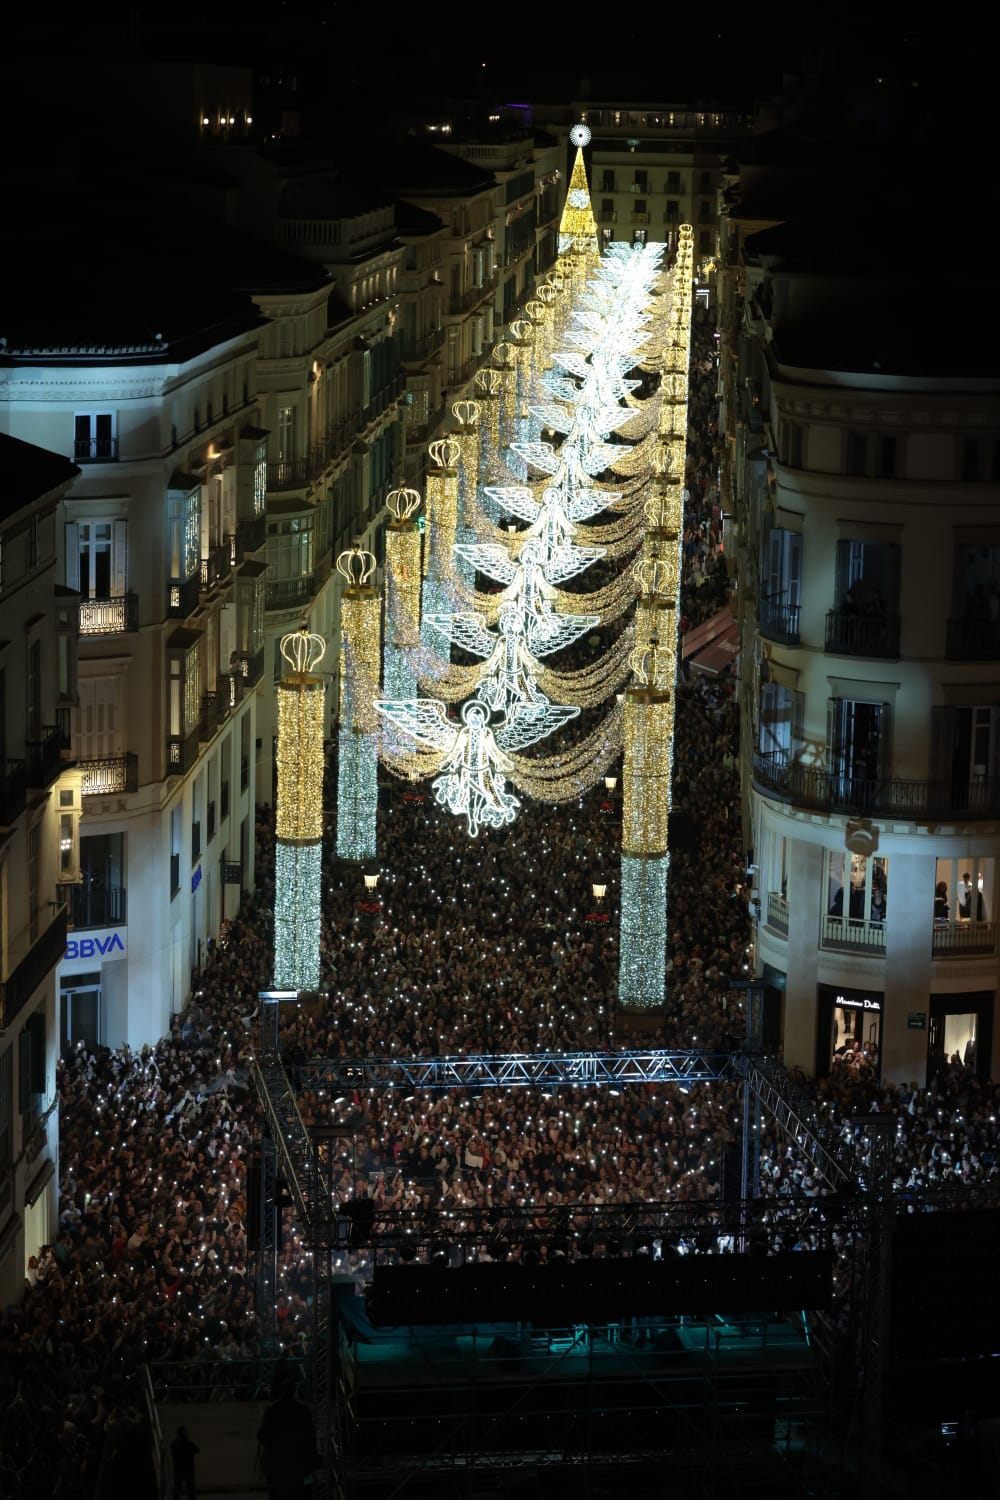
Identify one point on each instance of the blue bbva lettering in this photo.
(87, 947)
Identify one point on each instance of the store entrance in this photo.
(848, 1031)
(960, 1035)
(80, 1011)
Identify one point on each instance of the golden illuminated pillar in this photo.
(298, 852)
(360, 660)
(441, 492)
(402, 606)
(489, 384)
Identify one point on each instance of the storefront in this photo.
(848, 1029)
(94, 958)
(960, 1034)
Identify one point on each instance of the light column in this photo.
(439, 539)
(360, 653)
(298, 852)
(466, 414)
(491, 470)
(402, 610)
(646, 772)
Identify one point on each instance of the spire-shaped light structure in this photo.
(360, 653)
(298, 884)
(578, 227)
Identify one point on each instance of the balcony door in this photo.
(97, 558)
(965, 754)
(98, 719)
(858, 737)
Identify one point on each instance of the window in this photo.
(705, 245)
(790, 445)
(97, 558)
(871, 453)
(175, 851)
(607, 236)
(286, 434)
(963, 889)
(706, 213)
(94, 437)
(672, 213)
(69, 836)
(34, 874)
(260, 480)
(640, 182)
(6, 1110)
(673, 182)
(705, 182)
(99, 899)
(781, 583)
(638, 236)
(857, 887)
(608, 181)
(858, 748)
(979, 459)
(34, 691)
(184, 532)
(290, 548)
(607, 208)
(184, 688)
(779, 727)
(965, 755)
(640, 205)
(31, 1068)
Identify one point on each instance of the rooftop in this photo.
(28, 473)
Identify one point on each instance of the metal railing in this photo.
(95, 450)
(777, 912)
(862, 635)
(217, 565)
(961, 939)
(825, 791)
(40, 959)
(45, 756)
(852, 935)
(182, 598)
(97, 905)
(250, 536)
(288, 593)
(114, 616)
(973, 640)
(182, 752)
(777, 619)
(109, 774)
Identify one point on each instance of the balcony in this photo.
(753, 409)
(852, 935)
(417, 349)
(39, 961)
(607, 216)
(973, 640)
(95, 450)
(778, 620)
(774, 775)
(250, 536)
(115, 616)
(639, 218)
(470, 298)
(45, 756)
(217, 566)
(97, 905)
(182, 752)
(13, 792)
(288, 593)
(253, 667)
(777, 912)
(850, 634)
(962, 939)
(111, 775)
(182, 598)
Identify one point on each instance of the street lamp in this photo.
(599, 890)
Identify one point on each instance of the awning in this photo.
(719, 654)
(707, 631)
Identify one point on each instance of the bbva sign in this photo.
(109, 943)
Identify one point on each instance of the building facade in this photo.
(863, 477)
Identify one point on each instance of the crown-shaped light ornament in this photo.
(521, 330)
(356, 566)
(652, 665)
(303, 650)
(444, 453)
(466, 412)
(401, 504)
(656, 577)
(502, 353)
(489, 382)
(546, 293)
(534, 310)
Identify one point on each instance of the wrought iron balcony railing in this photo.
(850, 634)
(973, 640)
(45, 756)
(250, 536)
(26, 976)
(288, 593)
(95, 450)
(97, 905)
(958, 939)
(182, 751)
(217, 565)
(182, 598)
(778, 620)
(13, 791)
(115, 616)
(109, 774)
(777, 912)
(825, 791)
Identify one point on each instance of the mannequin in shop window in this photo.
(878, 906)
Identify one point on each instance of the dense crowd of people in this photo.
(490, 946)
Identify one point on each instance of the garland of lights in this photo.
(403, 579)
(299, 814)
